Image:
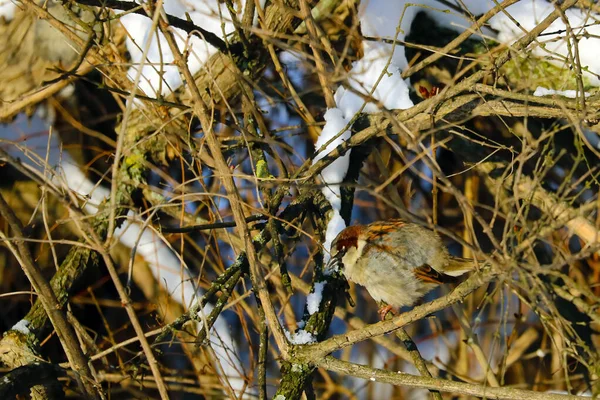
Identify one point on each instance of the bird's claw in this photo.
(383, 310)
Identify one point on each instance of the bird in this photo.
(398, 262)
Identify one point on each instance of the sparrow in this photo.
(397, 262)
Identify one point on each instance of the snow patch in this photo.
(22, 326)
(313, 300)
(300, 337)
(7, 9)
(25, 142)
(572, 94)
(375, 83)
(335, 133)
(211, 15)
(553, 42)
(375, 78)
(173, 275)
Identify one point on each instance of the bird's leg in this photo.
(384, 309)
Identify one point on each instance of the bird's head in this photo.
(347, 247)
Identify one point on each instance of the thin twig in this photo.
(50, 303)
(233, 194)
(206, 227)
(320, 66)
(476, 27)
(135, 323)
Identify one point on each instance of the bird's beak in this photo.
(335, 262)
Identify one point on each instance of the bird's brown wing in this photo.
(430, 275)
(381, 228)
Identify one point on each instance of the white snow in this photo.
(540, 353)
(542, 91)
(583, 393)
(174, 276)
(159, 59)
(552, 43)
(335, 225)
(313, 300)
(377, 74)
(371, 76)
(211, 15)
(24, 140)
(334, 173)
(300, 337)
(392, 20)
(78, 182)
(7, 9)
(374, 78)
(22, 326)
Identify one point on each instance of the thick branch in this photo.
(314, 354)
(442, 385)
